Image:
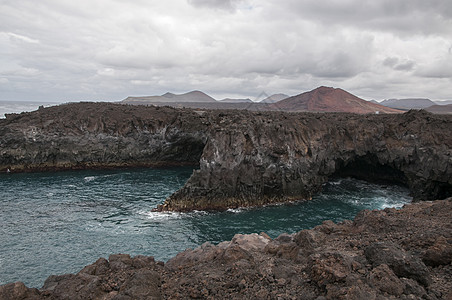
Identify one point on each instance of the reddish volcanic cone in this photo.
(328, 99)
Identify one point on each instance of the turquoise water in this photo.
(56, 223)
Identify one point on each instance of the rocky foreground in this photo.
(387, 254)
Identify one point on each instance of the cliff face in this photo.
(388, 254)
(90, 135)
(257, 158)
(245, 158)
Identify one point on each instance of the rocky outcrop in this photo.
(100, 135)
(245, 158)
(253, 159)
(387, 254)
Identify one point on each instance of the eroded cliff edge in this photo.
(245, 158)
(100, 135)
(258, 158)
(386, 254)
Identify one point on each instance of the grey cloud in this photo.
(440, 68)
(399, 64)
(404, 16)
(109, 49)
(405, 66)
(390, 61)
(216, 4)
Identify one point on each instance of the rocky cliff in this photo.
(258, 158)
(388, 254)
(245, 158)
(100, 135)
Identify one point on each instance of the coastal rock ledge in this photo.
(386, 254)
(245, 158)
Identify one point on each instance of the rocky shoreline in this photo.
(245, 158)
(386, 254)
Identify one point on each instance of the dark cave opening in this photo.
(369, 168)
(442, 190)
(186, 150)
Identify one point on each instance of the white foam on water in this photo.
(336, 182)
(235, 210)
(89, 178)
(161, 216)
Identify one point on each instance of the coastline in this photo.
(245, 158)
(392, 253)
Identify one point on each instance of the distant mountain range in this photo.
(328, 99)
(193, 96)
(321, 99)
(229, 100)
(438, 107)
(444, 102)
(407, 104)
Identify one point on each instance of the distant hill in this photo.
(229, 100)
(328, 99)
(440, 109)
(275, 98)
(409, 103)
(444, 102)
(194, 96)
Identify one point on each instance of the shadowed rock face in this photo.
(257, 158)
(245, 158)
(100, 135)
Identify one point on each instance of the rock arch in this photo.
(286, 157)
(368, 167)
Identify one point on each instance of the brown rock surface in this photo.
(357, 259)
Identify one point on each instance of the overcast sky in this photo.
(66, 50)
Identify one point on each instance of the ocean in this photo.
(7, 107)
(56, 223)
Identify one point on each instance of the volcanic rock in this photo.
(252, 159)
(245, 158)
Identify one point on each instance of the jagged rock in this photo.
(384, 279)
(401, 262)
(439, 254)
(17, 290)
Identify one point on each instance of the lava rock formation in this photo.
(245, 158)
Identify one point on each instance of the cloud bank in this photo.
(109, 49)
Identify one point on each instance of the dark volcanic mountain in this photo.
(193, 96)
(328, 99)
(407, 104)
